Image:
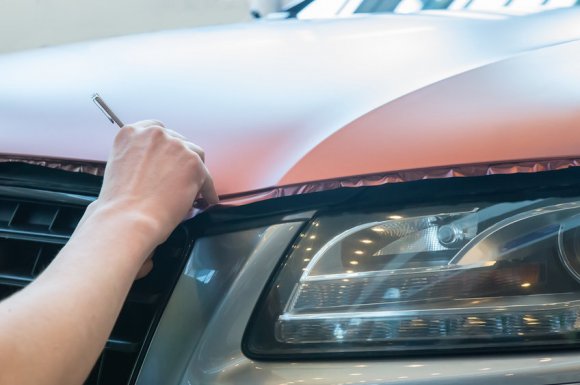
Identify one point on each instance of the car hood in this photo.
(281, 103)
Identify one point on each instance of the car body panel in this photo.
(527, 107)
(283, 103)
(199, 338)
(261, 106)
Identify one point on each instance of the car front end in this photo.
(403, 208)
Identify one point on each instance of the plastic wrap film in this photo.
(401, 176)
(98, 169)
(82, 166)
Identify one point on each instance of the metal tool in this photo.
(106, 110)
(199, 205)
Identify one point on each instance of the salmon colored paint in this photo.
(288, 107)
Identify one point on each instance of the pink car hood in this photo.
(287, 103)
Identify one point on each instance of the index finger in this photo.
(148, 123)
(208, 189)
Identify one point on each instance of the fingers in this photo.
(175, 134)
(192, 146)
(208, 189)
(195, 148)
(147, 123)
(128, 131)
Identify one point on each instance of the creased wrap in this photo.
(82, 166)
(98, 168)
(402, 176)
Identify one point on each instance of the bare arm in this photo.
(53, 331)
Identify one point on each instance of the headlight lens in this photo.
(473, 277)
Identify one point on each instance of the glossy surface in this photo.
(199, 339)
(276, 103)
(527, 107)
(214, 282)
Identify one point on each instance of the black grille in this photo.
(33, 230)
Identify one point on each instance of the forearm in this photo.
(52, 331)
(58, 325)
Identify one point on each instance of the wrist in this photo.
(127, 219)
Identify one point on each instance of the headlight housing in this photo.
(467, 277)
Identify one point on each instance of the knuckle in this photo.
(201, 153)
(196, 159)
(125, 133)
(158, 123)
(194, 162)
(155, 132)
(175, 144)
(127, 129)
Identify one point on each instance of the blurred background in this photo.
(26, 24)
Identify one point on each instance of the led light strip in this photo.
(509, 322)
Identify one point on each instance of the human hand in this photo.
(154, 174)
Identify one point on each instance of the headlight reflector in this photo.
(471, 277)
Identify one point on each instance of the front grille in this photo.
(34, 225)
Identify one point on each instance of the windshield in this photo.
(331, 8)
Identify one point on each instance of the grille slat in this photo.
(39, 218)
(14, 280)
(33, 217)
(121, 346)
(32, 232)
(17, 258)
(65, 221)
(47, 254)
(95, 376)
(7, 211)
(33, 236)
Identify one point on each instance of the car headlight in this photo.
(483, 276)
